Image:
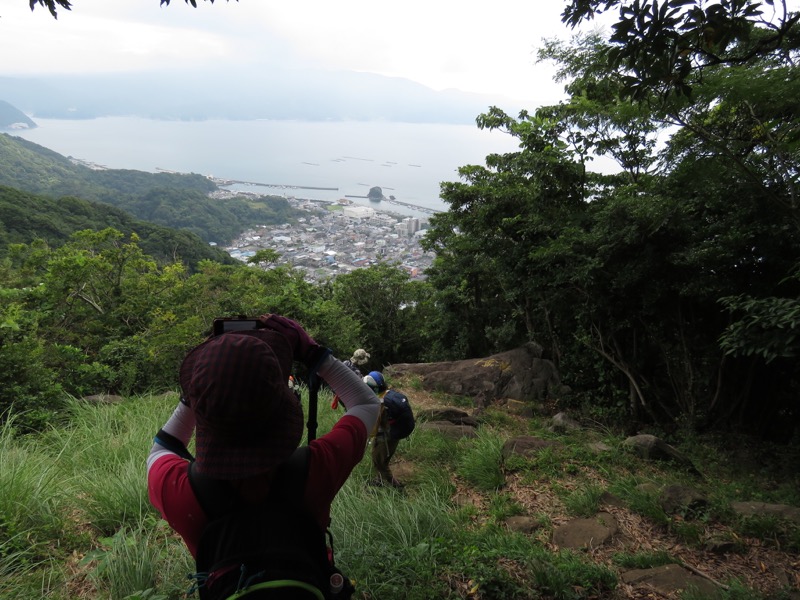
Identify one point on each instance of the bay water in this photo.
(407, 160)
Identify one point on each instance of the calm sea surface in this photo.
(406, 160)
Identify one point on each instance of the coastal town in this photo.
(335, 238)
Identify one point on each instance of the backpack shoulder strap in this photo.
(217, 497)
(173, 444)
(289, 483)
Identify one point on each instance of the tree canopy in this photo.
(667, 46)
(668, 288)
(54, 5)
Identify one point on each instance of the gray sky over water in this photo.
(481, 47)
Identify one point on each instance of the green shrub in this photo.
(78, 375)
(29, 389)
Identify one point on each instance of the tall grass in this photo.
(481, 462)
(104, 450)
(384, 538)
(136, 560)
(75, 521)
(32, 493)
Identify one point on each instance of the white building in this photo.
(355, 211)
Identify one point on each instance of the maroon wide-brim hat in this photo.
(247, 419)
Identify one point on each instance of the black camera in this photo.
(240, 323)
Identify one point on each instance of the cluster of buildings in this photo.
(334, 239)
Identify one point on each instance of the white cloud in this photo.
(475, 47)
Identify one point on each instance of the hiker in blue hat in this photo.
(396, 422)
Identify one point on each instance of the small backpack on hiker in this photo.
(399, 415)
(271, 550)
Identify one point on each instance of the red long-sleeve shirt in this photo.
(333, 457)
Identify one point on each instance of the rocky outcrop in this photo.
(527, 446)
(765, 509)
(651, 447)
(519, 374)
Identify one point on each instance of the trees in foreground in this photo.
(99, 315)
(667, 291)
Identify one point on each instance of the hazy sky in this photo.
(485, 47)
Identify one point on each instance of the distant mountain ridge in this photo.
(265, 94)
(13, 118)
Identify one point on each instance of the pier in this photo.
(282, 186)
(423, 209)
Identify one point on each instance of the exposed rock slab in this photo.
(586, 533)
(452, 415)
(448, 429)
(651, 447)
(671, 579)
(103, 399)
(519, 374)
(764, 509)
(523, 524)
(527, 445)
(680, 498)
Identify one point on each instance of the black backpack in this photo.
(399, 415)
(273, 550)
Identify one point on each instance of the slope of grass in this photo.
(75, 522)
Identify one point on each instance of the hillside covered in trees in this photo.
(174, 200)
(12, 116)
(27, 217)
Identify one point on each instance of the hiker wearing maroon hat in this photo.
(248, 424)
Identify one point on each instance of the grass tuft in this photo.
(481, 461)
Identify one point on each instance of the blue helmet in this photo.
(376, 381)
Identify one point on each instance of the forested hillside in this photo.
(669, 292)
(27, 217)
(170, 199)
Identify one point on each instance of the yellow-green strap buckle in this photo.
(278, 583)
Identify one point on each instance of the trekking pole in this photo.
(313, 388)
